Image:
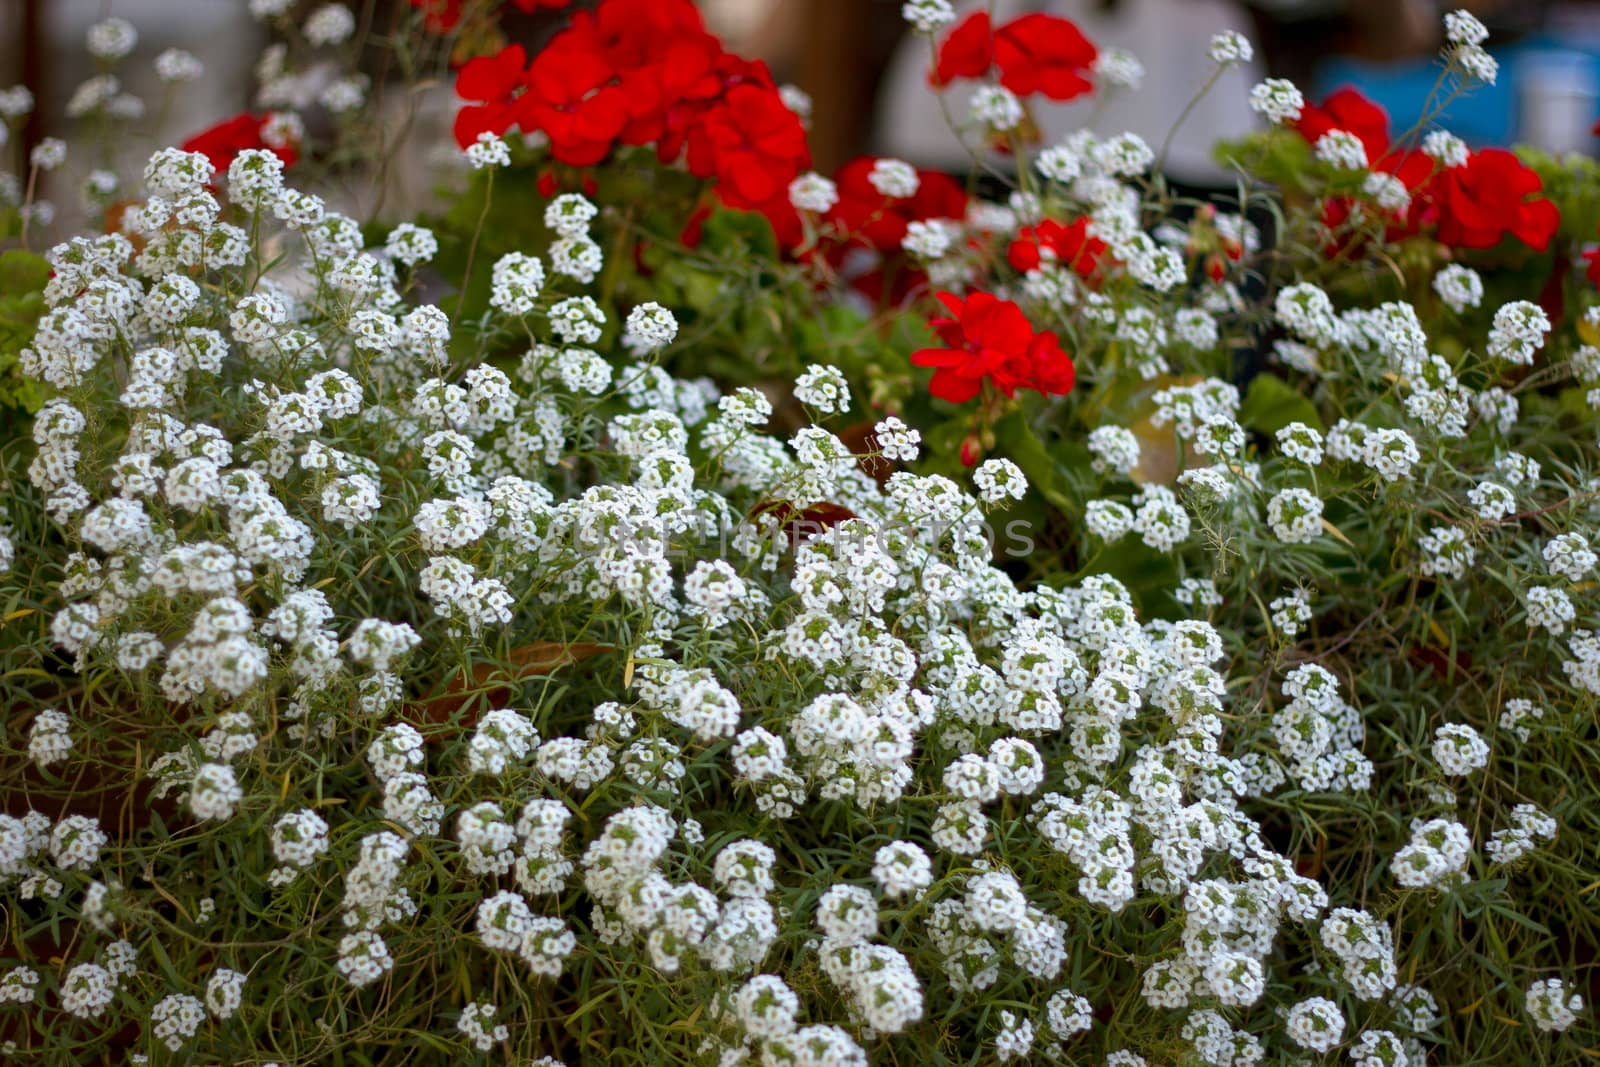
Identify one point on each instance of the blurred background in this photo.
(865, 73)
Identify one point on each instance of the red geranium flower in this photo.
(1036, 53)
(439, 16)
(667, 96)
(967, 51)
(1044, 54)
(572, 97)
(222, 142)
(633, 33)
(1346, 109)
(1071, 244)
(867, 217)
(752, 143)
(1053, 372)
(989, 339)
(495, 83)
(1488, 197)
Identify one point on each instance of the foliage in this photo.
(576, 628)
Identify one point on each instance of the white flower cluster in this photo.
(294, 499)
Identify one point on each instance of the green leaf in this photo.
(22, 272)
(1016, 441)
(1271, 403)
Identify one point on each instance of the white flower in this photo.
(797, 100)
(1477, 63)
(1315, 1024)
(214, 792)
(1114, 449)
(15, 102)
(330, 24)
(650, 326)
(823, 388)
(1437, 854)
(477, 1025)
(488, 151)
(86, 990)
(929, 238)
(1550, 1006)
(1124, 155)
(112, 39)
(411, 244)
(1387, 191)
(176, 67)
(1339, 148)
(1230, 47)
(1459, 287)
(814, 193)
(998, 480)
(1300, 442)
(928, 16)
(1519, 331)
(996, 107)
(1277, 100)
(1569, 556)
(893, 178)
(1118, 68)
(1295, 516)
(1446, 147)
(224, 992)
(48, 154)
(49, 738)
(1462, 27)
(897, 441)
(570, 214)
(1459, 750)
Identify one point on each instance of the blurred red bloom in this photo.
(1348, 110)
(989, 339)
(494, 83)
(751, 143)
(1070, 245)
(222, 142)
(1489, 197)
(1044, 54)
(967, 51)
(1035, 53)
(867, 217)
(572, 98)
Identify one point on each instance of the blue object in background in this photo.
(1488, 114)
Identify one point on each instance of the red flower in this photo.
(967, 51)
(1593, 271)
(573, 99)
(1346, 109)
(439, 16)
(1071, 244)
(1036, 53)
(222, 142)
(989, 339)
(1044, 54)
(667, 97)
(751, 143)
(867, 217)
(495, 83)
(1488, 197)
(633, 32)
(1053, 372)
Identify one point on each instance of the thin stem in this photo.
(472, 249)
(1188, 109)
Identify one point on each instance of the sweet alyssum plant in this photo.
(388, 681)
